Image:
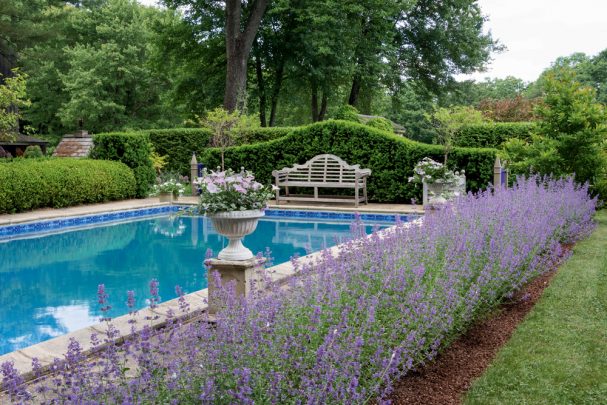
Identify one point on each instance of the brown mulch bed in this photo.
(447, 379)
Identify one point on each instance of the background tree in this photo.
(12, 99)
(571, 133)
(98, 70)
(448, 121)
(239, 23)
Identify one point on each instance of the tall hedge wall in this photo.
(179, 143)
(492, 135)
(390, 157)
(27, 184)
(132, 149)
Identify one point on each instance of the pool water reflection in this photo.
(48, 283)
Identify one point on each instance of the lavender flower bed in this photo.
(345, 328)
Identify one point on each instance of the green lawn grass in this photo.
(558, 355)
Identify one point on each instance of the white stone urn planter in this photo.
(235, 225)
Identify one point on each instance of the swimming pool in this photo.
(48, 280)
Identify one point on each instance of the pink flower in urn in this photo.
(212, 188)
(240, 189)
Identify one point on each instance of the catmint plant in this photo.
(345, 327)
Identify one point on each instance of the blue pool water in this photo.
(48, 283)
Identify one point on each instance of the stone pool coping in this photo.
(56, 347)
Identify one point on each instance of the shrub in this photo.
(178, 144)
(132, 149)
(390, 157)
(381, 123)
(27, 184)
(33, 151)
(345, 329)
(492, 135)
(347, 112)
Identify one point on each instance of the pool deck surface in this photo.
(51, 213)
(48, 350)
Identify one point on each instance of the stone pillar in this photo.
(497, 173)
(193, 173)
(243, 272)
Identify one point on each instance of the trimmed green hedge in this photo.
(390, 157)
(132, 149)
(492, 135)
(27, 184)
(179, 143)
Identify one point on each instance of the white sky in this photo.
(536, 32)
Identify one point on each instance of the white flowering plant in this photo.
(222, 191)
(168, 186)
(429, 171)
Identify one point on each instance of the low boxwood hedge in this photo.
(27, 184)
(390, 157)
(132, 149)
(492, 135)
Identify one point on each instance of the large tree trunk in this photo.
(355, 90)
(318, 113)
(276, 92)
(238, 48)
(261, 89)
(323, 107)
(314, 102)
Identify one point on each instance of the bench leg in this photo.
(287, 191)
(277, 197)
(356, 196)
(365, 194)
(316, 193)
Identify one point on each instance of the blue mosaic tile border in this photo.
(340, 216)
(10, 231)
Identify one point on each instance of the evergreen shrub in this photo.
(132, 149)
(492, 135)
(27, 184)
(390, 157)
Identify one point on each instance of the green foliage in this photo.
(27, 184)
(381, 123)
(448, 122)
(347, 113)
(178, 145)
(493, 134)
(12, 98)
(96, 69)
(131, 149)
(33, 151)
(571, 133)
(472, 93)
(390, 157)
(226, 128)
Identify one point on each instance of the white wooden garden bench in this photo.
(323, 171)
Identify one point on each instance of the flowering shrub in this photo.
(229, 191)
(345, 328)
(170, 186)
(430, 172)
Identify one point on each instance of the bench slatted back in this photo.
(323, 169)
